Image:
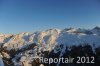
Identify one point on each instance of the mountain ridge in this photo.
(51, 36)
(20, 49)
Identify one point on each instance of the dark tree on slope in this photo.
(97, 56)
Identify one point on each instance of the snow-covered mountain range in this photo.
(48, 40)
(68, 36)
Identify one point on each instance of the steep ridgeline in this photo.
(20, 49)
(17, 41)
(69, 36)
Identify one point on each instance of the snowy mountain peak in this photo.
(21, 48)
(97, 28)
(51, 36)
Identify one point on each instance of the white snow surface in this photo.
(47, 41)
(1, 62)
(52, 36)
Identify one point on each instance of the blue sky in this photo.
(34, 15)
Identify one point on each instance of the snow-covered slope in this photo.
(21, 48)
(69, 36)
(1, 61)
